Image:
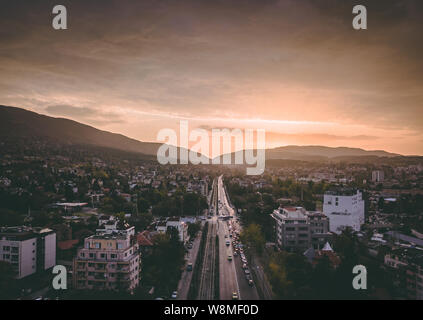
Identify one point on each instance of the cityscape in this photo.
(90, 211)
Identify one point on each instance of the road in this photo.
(232, 278)
(231, 274)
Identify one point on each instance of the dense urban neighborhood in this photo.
(126, 227)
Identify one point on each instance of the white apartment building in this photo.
(28, 250)
(110, 260)
(177, 223)
(378, 176)
(344, 208)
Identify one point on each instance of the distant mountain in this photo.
(321, 153)
(16, 123)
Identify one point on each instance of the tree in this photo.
(8, 285)
(143, 204)
(253, 237)
(142, 221)
(193, 229)
(162, 268)
(289, 274)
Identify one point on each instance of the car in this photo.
(189, 267)
(174, 295)
(244, 266)
(251, 282)
(230, 236)
(228, 243)
(246, 271)
(235, 253)
(234, 295)
(229, 258)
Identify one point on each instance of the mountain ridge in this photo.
(21, 123)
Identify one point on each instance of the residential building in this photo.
(175, 222)
(406, 265)
(297, 229)
(28, 250)
(344, 208)
(315, 256)
(378, 176)
(110, 260)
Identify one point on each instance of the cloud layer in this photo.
(296, 68)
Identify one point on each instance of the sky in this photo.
(295, 68)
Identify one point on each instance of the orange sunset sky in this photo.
(294, 68)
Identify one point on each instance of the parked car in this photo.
(189, 267)
(246, 271)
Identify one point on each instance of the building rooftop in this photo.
(20, 233)
(342, 192)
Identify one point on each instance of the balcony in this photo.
(82, 275)
(100, 276)
(100, 267)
